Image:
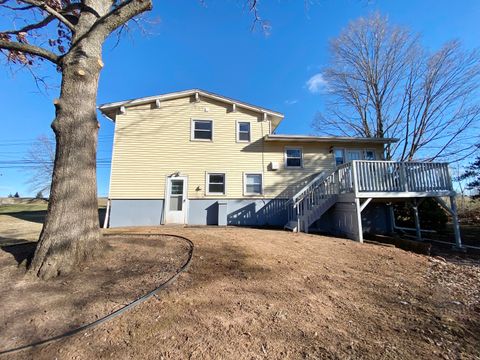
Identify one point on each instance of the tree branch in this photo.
(120, 15)
(51, 11)
(29, 49)
(30, 27)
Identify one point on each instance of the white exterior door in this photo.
(354, 155)
(176, 200)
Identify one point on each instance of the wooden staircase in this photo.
(311, 202)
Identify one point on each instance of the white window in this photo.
(369, 154)
(202, 130)
(293, 157)
(253, 184)
(339, 156)
(243, 131)
(216, 183)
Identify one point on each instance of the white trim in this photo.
(285, 157)
(179, 94)
(207, 182)
(245, 174)
(329, 139)
(237, 131)
(192, 130)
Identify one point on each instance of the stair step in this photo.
(291, 225)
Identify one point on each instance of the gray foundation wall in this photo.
(340, 220)
(136, 212)
(242, 212)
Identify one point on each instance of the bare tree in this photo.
(382, 83)
(69, 34)
(41, 157)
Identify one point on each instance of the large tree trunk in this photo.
(71, 232)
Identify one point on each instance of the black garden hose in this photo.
(116, 312)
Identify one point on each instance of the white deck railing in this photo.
(368, 178)
(391, 176)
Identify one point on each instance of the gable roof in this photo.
(110, 109)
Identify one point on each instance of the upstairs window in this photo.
(293, 158)
(216, 184)
(253, 184)
(243, 131)
(202, 130)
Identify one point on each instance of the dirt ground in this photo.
(264, 294)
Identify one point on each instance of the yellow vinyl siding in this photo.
(151, 144)
(316, 158)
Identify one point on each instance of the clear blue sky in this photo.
(211, 47)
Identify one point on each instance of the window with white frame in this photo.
(253, 183)
(293, 157)
(243, 131)
(339, 156)
(216, 183)
(202, 130)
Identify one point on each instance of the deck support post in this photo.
(453, 211)
(417, 220)
(456, 225)
(358, 211)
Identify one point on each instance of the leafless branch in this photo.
(29, 49)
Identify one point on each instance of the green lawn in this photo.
(16, 208)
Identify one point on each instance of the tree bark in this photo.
(71, 232)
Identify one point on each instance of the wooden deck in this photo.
(360, 181)
(390, 179)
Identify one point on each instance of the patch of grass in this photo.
(16, 208)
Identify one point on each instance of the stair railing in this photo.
(312, 194)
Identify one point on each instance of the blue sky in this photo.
(211, 46)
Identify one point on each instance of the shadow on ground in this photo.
(38, 216)
(22, 252)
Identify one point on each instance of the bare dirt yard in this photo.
(250, 294)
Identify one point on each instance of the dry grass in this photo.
(263, 294)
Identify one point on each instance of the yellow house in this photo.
(195, 157)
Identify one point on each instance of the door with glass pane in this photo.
(354, 155)
(176, 200)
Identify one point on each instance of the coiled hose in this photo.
(121, 310)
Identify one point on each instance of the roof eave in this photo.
(329, 139)
(104, 108)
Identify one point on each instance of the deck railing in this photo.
(367, 178)
(391, 176)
